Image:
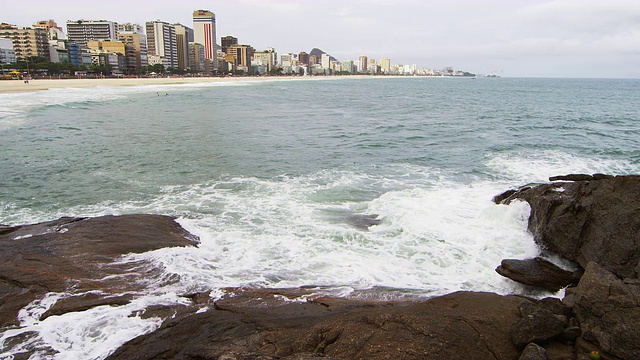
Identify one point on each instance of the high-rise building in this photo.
(204, 32)
(83, 31)
(7, 54)
(385, 65)
(325, 61)
(196, 57)
(228, 41)
(183, 34)
(364, 62)
(303, 58)
(136, 44)
(161, 43)
(27, 42)
(347, 66)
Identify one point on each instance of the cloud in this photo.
(583, 17)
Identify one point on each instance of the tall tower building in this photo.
(184, 35)
(385, 65)
(303, 58)
(83, 31)
(161, 42)
(204, 32)
(227, 42)
(363, 64)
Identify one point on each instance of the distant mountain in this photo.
(317, 52)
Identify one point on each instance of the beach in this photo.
(19, 86)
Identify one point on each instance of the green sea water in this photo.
(276, 176)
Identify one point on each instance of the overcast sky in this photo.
(554, 38)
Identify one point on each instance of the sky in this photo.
(528, 38)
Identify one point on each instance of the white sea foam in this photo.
(90, 334)
(436, 236)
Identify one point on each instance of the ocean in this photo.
(277, 177)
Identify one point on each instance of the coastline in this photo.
(19, 86)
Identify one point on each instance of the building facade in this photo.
(385, 65)
(161, 42)
(83, 31)
(136, 44)
(303, 58)
(228, 41)
(55, 31)
(363, 63)
(266, 58)
(131, 28)
(242, 55)
(204, 33)
(183, 34)
(196, 57)
(27, 42)
(7, 54)
(325, 61)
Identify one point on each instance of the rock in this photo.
(534, 352)
(69, 253)
(584, 221)
(538, 272)
(457, 326)
(498, 199)
(539, 323)
(560, 351)
(572, 177)
(608, 310)
(363, 221)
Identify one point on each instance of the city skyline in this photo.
(562, 38)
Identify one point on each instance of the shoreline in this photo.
(35, 85)
(18, 86)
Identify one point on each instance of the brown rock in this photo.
(456, 326)
(538, 272)
(572, 177)
(69, 253)
(608, 310)
(540, 323)
(534, 352)
(584, 221)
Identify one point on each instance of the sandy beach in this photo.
(18, 86)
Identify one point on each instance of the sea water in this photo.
(276, 178)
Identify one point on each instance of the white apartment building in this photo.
(161, 41)
(83, 31)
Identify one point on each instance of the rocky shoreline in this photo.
(591, 221)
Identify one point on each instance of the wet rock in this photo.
(584, 221)
(538, 272)
(85, 302)
(608, 310)
(534, 352)
(363, 221)
(456, 326)
(69, 253)
(572, 177)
